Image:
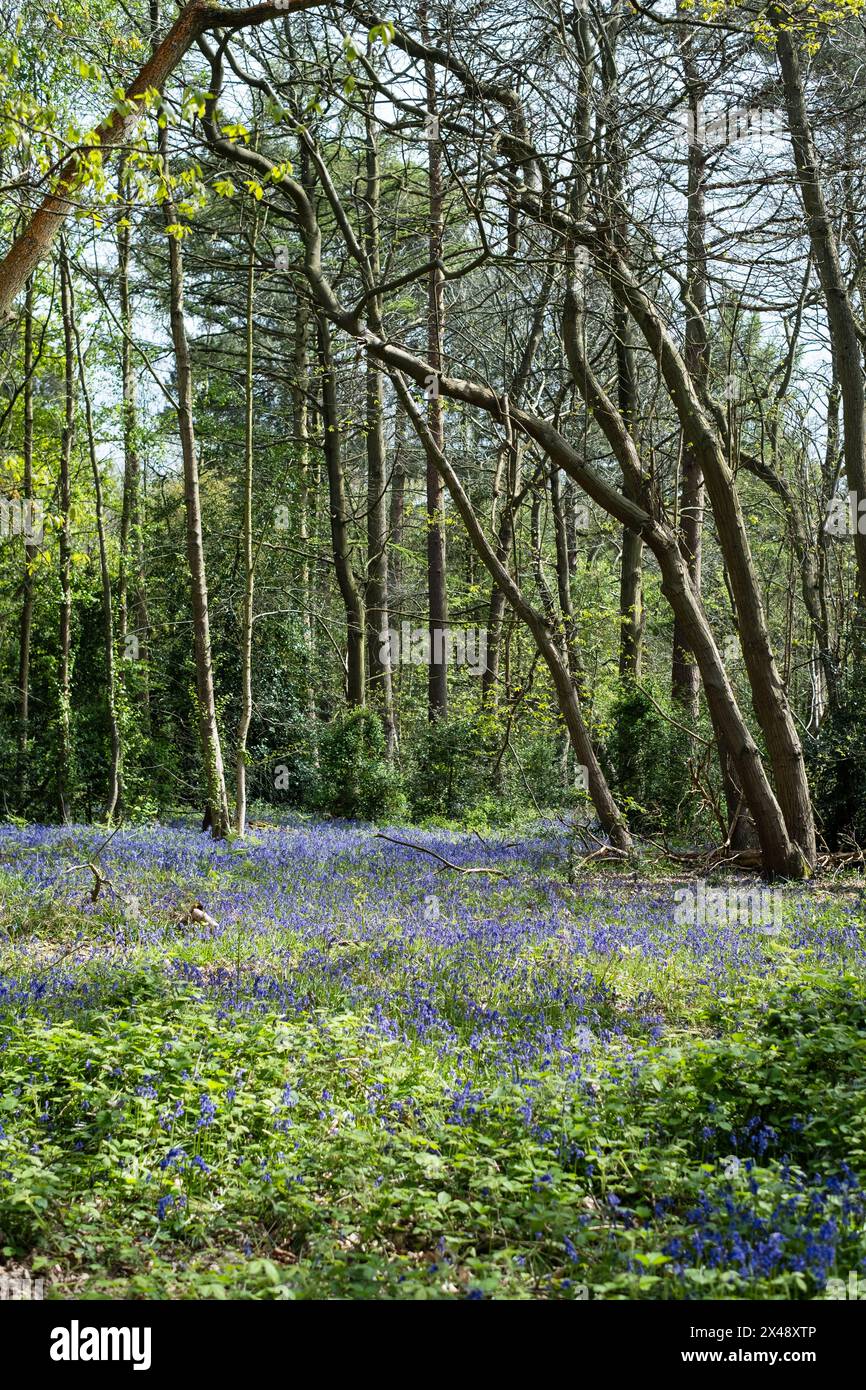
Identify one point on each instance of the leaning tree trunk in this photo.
(34, 243)
(781, 853)
(611, 817)
(701, 433)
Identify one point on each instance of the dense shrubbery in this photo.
(648, 756)
(451, 767)
(355, 777)
(837, 758)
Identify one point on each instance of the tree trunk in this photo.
(347, 581)
(301, 426)
(64, 758)
(847, 352)
(612, 819)
(631, 611)
(115, 767)
(249, 573)
(132, 645)
(30, 553)
(781, 854)
(563, 586)
(504, 541)
(769, 697)
(685, 677)
(217, 812)
(437, 699)
(378, 649)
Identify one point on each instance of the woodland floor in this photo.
(372, 1076)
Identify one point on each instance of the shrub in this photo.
(648, 757)
(452, 770)
(355, 777)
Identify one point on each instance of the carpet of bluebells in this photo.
(365, 1074)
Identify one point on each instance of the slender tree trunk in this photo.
(301, 424)
(131, 592)
(347, 581)
(249, 573)
(378, 649)
(563, 586)
(631, 610)
(115, 767)
(685, 677)
(847, 351)
(504, 539)
(436, 573)
(396, 523)
(216, 811)
(64, 759)
(31, 551)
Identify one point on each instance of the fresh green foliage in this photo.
(373, 1080)
(355, 776)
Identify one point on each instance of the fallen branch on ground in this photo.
(456, 868)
